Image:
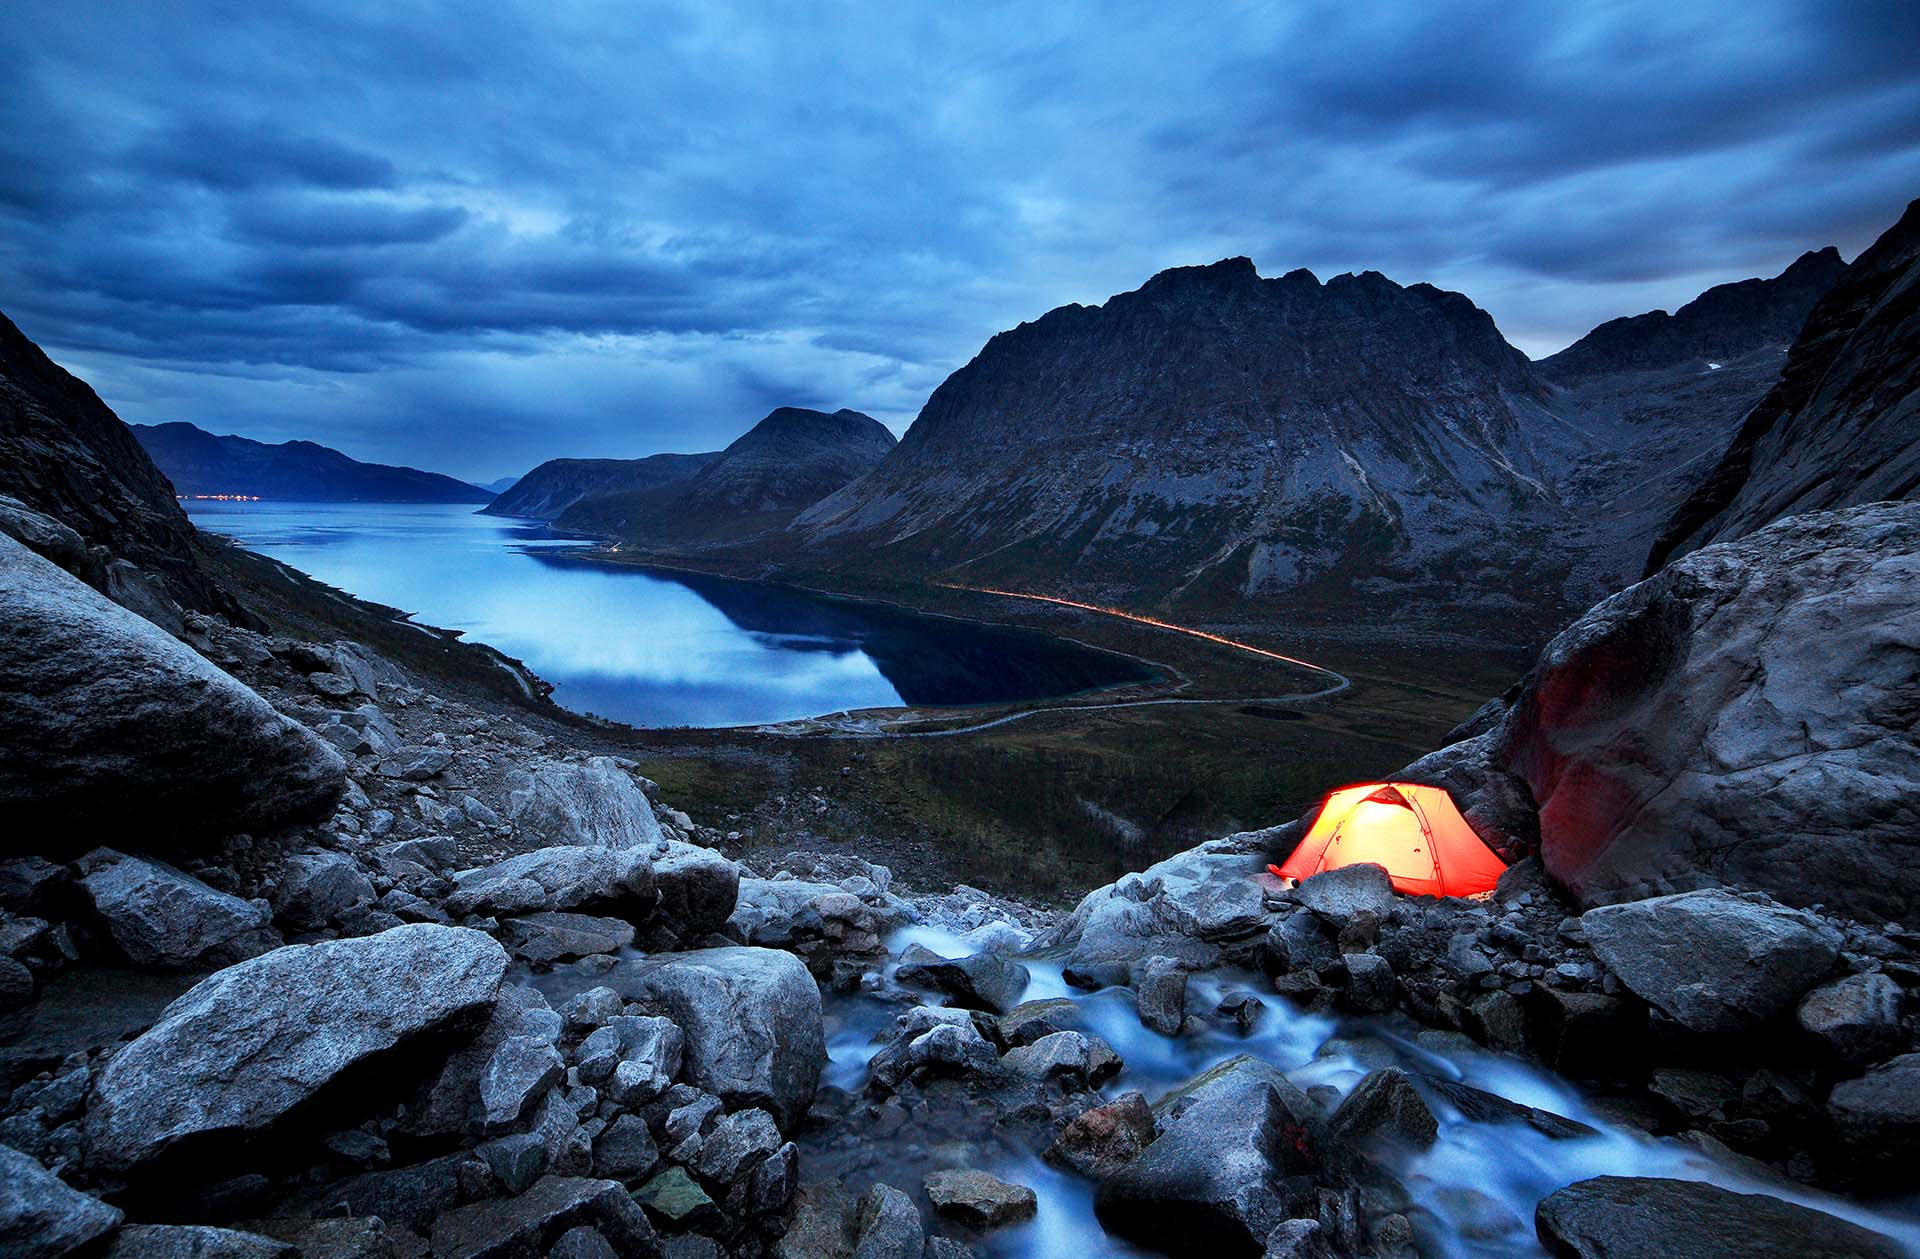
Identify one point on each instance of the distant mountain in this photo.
(788, 461)
(558, 484)
(1727, 322)
(198, 462)
(1842, 426)
(500, 486)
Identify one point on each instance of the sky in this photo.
(473, 237)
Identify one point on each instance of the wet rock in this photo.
(1160, 990)
(250, 1042)
(1478, 1106)
(736, 1145)
(1076, 1059)
(509, 1228)
(984, 981)
(546, 938)
(1030, 1020)
(317, 888)
(1626, 1217)
(110, 720)
(887, 1225)
(752, 1019)
(170, 1241)
(1711, 960)
(625, 1150)
(594, 804)
(1337, 895)
(40, 1216)
(1879, 1114)
(1384, 1109)
(1099, 1142)
(926, 1047)
(698, 889)
(617, 880)
(1857, 1018)
(158, 916)
(978, 1199)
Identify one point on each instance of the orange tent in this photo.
(1415, 832)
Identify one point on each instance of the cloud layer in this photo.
(471, 237)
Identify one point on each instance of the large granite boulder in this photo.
(698, 890)
(1633, 1217)
(252, 1042)
(1711, 960)
(1180, 908)
(160, 917)
(109, 719)
(752, 1018)
(40, 1216)
(1745, 717)
(612, 880)
(595, 803)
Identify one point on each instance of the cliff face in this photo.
(558, 484)
(199, 462)
(1842, 426)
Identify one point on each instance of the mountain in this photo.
(788, 461)
(1842, 426)
(499, 485)
(558, 484)
(198, 462)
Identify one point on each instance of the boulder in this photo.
(158, 916)
(1180, 908)
(1857, 1018)
(887, 1225)
(40, 1216)
(1711, 960)
(526, 1226)
(1160, 993)
(1632, 1217)
(979, 1199)
(450, 1100)
(595, 804)
(1384, 1110)
(250, 1043)
(520, 1071)
(736, 1145)
(111, 721)
(189, 1241)
(752, 1019)
(316, 888)
(625, 1149)
(984, 981)
(1878, 1114)
(617, 880)
(546, 938)
(1101, 1141)
(1743, 718)
(1337, 895)
(637, 1057)
(698, 888)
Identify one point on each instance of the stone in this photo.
(1478, 1106)
(450, 1100)
(40, 1216)
(677, 1198)
(928, 1044)
(1294, 1239)
(1683, 734)
(362, 1238)
(753, 1025)
(112, 722)
(698, 889)
(1067, 1057)
(645, 1054)
(984, 981)
(1160, 993)
(251, 1042)
(1337, 895)
(736, 1145)
(1629, 1217)
(1370, 984)
(520, 1071)
(1857, 1018)
(595, 805)
(1383, 1109)
(546, 938)
(416, 764)
(616, 880)
(317, 888)
(1711, 960)
(1099, 1142)
(1298, 943)
(978, 1199)
(509, 1228)
(1030, 1020)
(771, 1185)
(625, 1150)
(1879, 1115)
(887, 1225)
(181, 1241)
(517, 1159)
(160, 917)
(1177, 908)
(582, 1242)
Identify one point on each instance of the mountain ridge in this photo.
(200, 462)
(554, 486)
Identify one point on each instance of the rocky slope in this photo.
(1842, 426)
(199, 462)
(558, 484)
(789, 460)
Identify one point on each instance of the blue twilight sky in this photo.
(474, 236)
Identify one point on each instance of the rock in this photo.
(582, 1242)
(317, 888)
(984, 981)
(40, 1217)
(1857, 1018)
(520, 1071)
(1627, 1217)
(574, 877)
(736, 1145)
(111, 722)
(1682, 734)
(595, 805)
(1711, 960)
(625, 1150)
(510, 1228)
(1478, 1106)
(1383, 1109)
(593, 1008)
(754, 1033)
(1298, 943)
(160, 917)
(26, 883)
(251, 1042)
(698, 889)
(170, 1241)
(1075, 1059)
(936, 1041)
(676, 1198)
(364, 1238)
(1337, 895)
(451, 1100)
(1177, 908)
(1370, 985)
(771, 1186)
(405, 1197)
(1099, 1142)
(1207, 1182)
(1160, 990)
(546, 938)
(1030, 1020)
(978, 1199)
(647, 1053)
(1294, 1239)
(1879, 1115)
(887, 1226)
(416, 764)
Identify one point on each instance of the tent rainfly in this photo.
(1415, 832)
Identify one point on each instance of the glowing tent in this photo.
(1415, 832)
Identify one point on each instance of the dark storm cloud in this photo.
(474, 237)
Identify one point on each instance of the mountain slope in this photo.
(198, 462)
(558, 484)
(788, 461)
(1842, 426)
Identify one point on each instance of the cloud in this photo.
(474, 236)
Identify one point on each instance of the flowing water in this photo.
(653, 647)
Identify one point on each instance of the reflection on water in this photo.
(652, 647)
